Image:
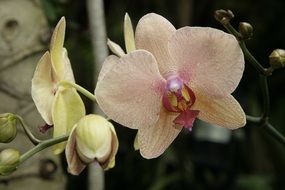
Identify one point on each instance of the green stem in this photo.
(27, 130)
(276, 134)
(42, 145)
(247, 54)
(253, 119)
(253, 61)
(265, 94)
(79, 88)
(232, 30)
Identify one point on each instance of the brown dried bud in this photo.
(246, 30)
(277, 58)
(223, 16)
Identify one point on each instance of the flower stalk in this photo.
(41, 146)
(264, 73)
(27, 130)
(79, 89)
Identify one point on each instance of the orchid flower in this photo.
(172, 78)
(93, 139)
(59, 106)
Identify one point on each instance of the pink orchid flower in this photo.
(172, 78)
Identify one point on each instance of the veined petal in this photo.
(108, 64)
(129, 34)
(67, 109)
(209, 58)
(75, 165)
(56, 47)
(225, 111)
(153, 33)
(131, 92)
(43, 89)
(110, 161)
(153, 141)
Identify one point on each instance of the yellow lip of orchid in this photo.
(58, 105)
(93, 138)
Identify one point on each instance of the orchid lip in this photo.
(178, 97)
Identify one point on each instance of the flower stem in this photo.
(252, 60)
(232, 30)
(27, 130)
(41, 146)
(263, 74)
(265, 94)
(276, 134)
(79, 88)
(253, 119)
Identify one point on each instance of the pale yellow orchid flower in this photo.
(93, 139)
(60, 106)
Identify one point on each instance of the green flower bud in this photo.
(224, 16)
(277, 58)
(8, 127)
(9, 161)
(246, 30)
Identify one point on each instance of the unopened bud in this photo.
(93, 138)
(224, 16)
(246, 30)
(277, 58)
(9, 161)
(8, 127)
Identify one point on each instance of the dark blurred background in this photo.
(249, 159)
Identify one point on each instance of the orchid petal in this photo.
(108, 64)
(209, 58)
(43, 89)
(153, 141)
(131, 92)
(75, 165)
(94, 138)
(67, 109)
(115, 48)
(56, 48)
(67, 75)
(110, 161)
(129, 34)
(225, 112)
(152, 34)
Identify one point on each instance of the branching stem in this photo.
(263, 74)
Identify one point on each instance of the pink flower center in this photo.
(178, 97)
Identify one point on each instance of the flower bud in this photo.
(9, 161)
(277, 58)
(8, 127)
(93, 138)
(223, 16)
(246, 30)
